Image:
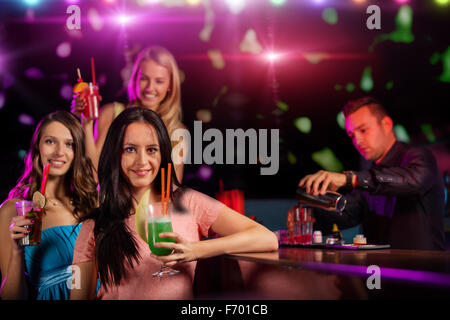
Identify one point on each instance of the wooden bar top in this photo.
(424, 267)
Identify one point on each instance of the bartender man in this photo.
(400, 200)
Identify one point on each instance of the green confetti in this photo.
(427, 130)
(338, 87)
(259, 116)
(292, 159)
(303, 124)
(403, 32)
(340, 118)
(445, 76)
(435, 58)
(350, 87)
(327, 160)
(366, 83)
(22, 154)
(330, 16)
(223, 90)
(390, 85)
(401, 133)
(283, 106)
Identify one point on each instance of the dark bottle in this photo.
(331, 201)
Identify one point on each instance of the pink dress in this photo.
(138, 284)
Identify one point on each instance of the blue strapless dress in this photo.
(49, 265)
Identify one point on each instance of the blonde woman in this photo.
(154, 84)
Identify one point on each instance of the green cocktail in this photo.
(155, 227)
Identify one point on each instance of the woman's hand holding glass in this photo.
(183, 250)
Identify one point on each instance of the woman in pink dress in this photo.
(136, 147)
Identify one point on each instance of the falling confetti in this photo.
(95, 20)
(216, 59)
(350, 87)
(401, 133)
(303, 124)
(282, 106)
(434, 59)
(205, 33)
(250, 43)
(204, 115)
(445, 76)
(389, 85)
(330, 16)
(223, 90)
(340, 118)
(403, 32)
(427, 130)
(22, 154)
(366, 83)
(327, 160)
(315, 57)
(292, 159)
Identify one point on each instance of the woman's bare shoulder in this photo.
(8, 209)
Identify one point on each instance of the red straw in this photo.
(169, 170)
(44, 177)
(93, 70)
(163, 180)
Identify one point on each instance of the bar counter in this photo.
(306, 273)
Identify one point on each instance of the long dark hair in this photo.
(115, 247)
(79, 182)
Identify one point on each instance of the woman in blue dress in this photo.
(70, 193)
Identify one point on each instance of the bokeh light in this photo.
(277, 3)
(330, 16)
(34, 73)
(66, 91)
(204, 173)
(64, 49)
(250, 43)
(31, 2)
(235, 6)
(442, 2)
(26, 119)
(2, 100)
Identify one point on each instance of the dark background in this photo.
(254, 85)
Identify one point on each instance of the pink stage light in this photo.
(272, 56)
(123, 19)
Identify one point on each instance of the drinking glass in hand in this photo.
(159, 221)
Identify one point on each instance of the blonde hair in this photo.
(170, 108)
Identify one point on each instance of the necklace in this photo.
(57, 203)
